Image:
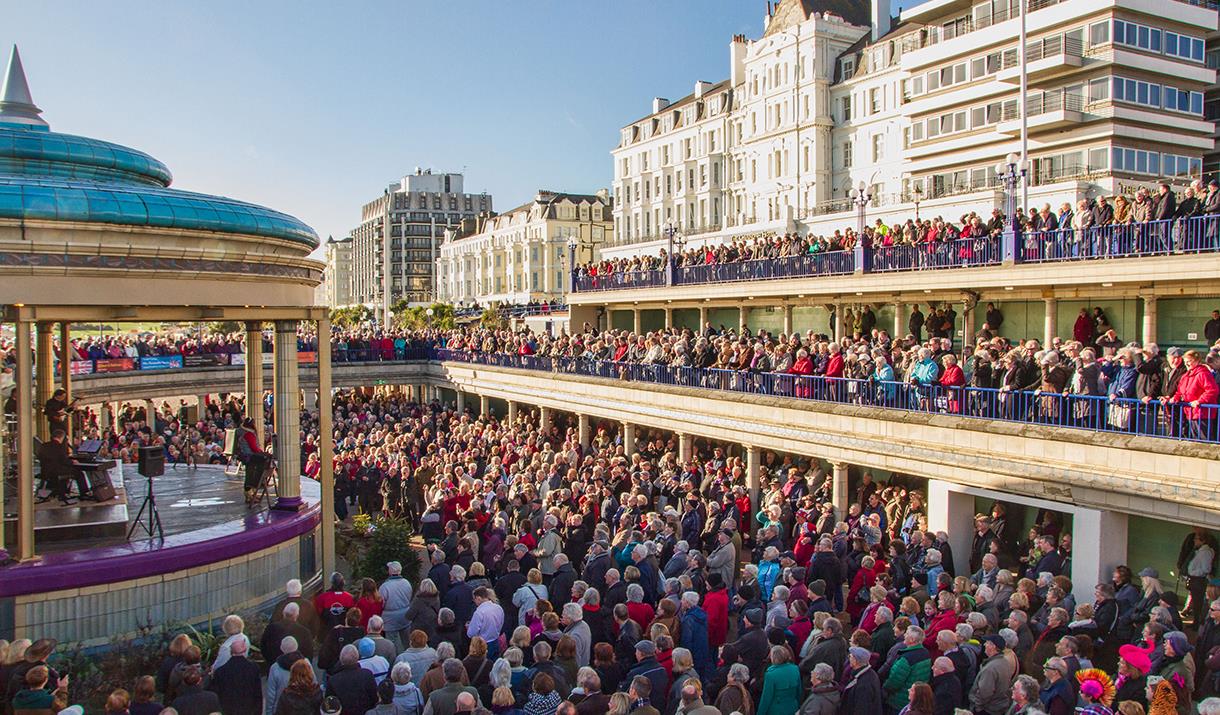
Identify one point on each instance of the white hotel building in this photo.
(835, 93)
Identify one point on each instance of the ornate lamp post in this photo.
(860, 196)
(918, 191)
(1011, 171)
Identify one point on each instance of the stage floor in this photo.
(187, 499)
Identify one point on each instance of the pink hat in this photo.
(1136, 657)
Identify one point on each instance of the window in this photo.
(847, 109)
(878, 147)
(1099, 33)
(847, 154)
(1183, 46)
(874, 100)
(849, 67)
(1099, 90)
(1136, 161)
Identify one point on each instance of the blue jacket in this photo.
(1122, 383)
(694, 639)
(651, 669)
(768, 575)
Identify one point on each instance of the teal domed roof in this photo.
(45, 175)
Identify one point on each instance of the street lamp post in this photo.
(1011, 171)
(860, 196)
(918, 191)
(572, 243)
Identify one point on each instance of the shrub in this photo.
(390, 541)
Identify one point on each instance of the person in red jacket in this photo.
(1196, 390)
(716, 605)
(952, 379)
(834, 371)
(252, 455)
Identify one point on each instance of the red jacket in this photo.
(716, 604)
(834, 366)
(1198, 384)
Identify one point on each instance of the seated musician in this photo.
(250, 453)
(57, 467)
(57, 408)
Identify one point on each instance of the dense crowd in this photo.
(567, 579)
(1147, 205)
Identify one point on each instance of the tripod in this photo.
(154, 517)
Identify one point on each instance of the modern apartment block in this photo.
(394, 249)
(522, 255)
(836, 94)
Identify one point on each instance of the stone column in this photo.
(582, 427)
(1099, 543)
(105, 416)
(669, 318)
(544, 418)
(838, 489)
(45, 368)
(702, 318)
(743, 319)
(787, 320)
(635, 318)
(839, 332)
(753, 471)
(25, 443)
(484, 405)
(310, 400)
(628, 438)
(1149, 332)
(512, 411)
(254, 377)
(150, 414)
(948, 510)
(326, 449)
(898, 328)
(287, 416)
(1050, 329)
(459, 400)
(65, 367)
(686, 445)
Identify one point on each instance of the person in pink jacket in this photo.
(1198, 393)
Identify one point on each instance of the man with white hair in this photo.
(238, 682)
(549, 546)
(460, 596)
(307, 616)
(650, 578)
(445, 700)
(356, 687)
(396, 599)
(946, 686)
(277, 677)
(574, 625)
(560, 587)
(382, 646)
(288, 625)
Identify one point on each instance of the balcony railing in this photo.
(620, 281)
(1095, 413)
(1043, 103)
(1040, 49)
(1197, 234)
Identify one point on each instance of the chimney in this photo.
(701, 87)
(737, 60)
(659, 103)
(881, 18)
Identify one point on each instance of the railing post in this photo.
(1008, 245)
(858, 255)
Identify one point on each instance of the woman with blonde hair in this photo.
(620, 704)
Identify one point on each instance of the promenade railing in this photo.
(1096, 413)
(1181, 236)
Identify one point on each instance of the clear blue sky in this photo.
(312, 108)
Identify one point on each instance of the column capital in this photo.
(1148, 298)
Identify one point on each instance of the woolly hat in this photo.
(1136, 658)
(1181, 646)
(366, 647)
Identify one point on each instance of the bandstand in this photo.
(90, 232)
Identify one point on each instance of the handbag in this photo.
(1120, 416)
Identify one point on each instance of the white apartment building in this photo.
(337, 276)
(834, 94)
(394, 249)
(522, 255)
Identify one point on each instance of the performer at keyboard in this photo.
(57, 467)
(57, 410)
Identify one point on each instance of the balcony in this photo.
(1044, 112)
(1045, 58)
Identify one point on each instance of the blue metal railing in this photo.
(620, 281)
(1086, 412)
(829, 263)
(960, 253)
(1182, 236)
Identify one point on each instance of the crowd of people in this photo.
(953, 242)
(567, 579)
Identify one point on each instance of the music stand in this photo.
(151, 464)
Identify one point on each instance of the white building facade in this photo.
(835, 95)
(337, 276)
(522, 255)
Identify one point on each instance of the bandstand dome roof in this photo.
(47, 175)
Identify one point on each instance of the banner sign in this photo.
(82, 367)
(161, 362)
(114, 365)
(206, 360)
(237, 359)
(307, 358)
